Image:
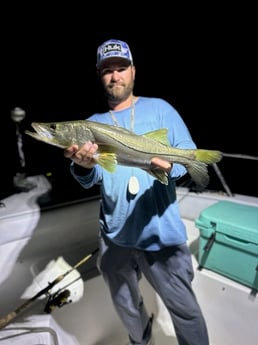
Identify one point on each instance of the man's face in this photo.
(117, 77)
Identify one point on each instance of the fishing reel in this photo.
(58, 299)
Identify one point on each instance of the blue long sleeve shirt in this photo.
(149, 220)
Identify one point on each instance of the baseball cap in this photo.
(113, 49)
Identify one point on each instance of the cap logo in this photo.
(115, 47)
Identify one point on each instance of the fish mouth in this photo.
(45, 134)
(41, 133)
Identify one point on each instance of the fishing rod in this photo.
(9, 317)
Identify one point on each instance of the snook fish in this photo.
(117, 145)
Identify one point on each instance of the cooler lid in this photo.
(233, 219)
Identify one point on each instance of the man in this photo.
(140, 226)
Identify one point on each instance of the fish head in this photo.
(61, 134)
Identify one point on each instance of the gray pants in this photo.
(170, 272)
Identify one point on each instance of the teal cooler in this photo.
(228, 242)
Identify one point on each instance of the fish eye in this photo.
(53, 126)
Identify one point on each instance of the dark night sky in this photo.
(203, 64)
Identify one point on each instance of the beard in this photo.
(118, 92)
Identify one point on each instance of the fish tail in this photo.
(208, 156)
(199, 173)
(107, 160)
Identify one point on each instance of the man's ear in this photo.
(134, 71)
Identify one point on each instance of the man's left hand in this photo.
(162, 164)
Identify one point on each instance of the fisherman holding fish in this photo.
(141, 231)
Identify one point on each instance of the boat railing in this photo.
(219, 173)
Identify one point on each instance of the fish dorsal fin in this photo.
(160, 135)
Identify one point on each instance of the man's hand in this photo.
(84, 155)
(162, 164)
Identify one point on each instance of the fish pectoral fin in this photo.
(107, 160)
(159, 174)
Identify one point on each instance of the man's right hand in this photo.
(84, 155)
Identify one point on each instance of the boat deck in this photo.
(229, 308)
(92, 319)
